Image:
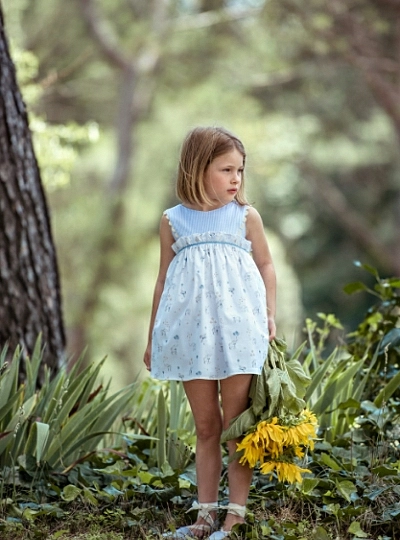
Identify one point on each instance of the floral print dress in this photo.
(211, 322)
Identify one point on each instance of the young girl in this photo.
(213, 310)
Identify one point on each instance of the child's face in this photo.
(223, 178)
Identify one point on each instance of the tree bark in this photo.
(30, 300)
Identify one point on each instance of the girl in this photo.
(213, 310)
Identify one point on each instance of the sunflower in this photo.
(286, 472)
(276, 429)
(301, 434)
(252, 451)
(275, 443)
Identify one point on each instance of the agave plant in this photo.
(161, 412)
(60, 423)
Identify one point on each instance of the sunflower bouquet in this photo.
(277, 428)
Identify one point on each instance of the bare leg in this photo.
(204, 402)
(234, 394)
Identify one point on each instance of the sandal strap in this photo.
(235, 509)
(204, 511)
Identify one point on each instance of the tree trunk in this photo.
(30, 301)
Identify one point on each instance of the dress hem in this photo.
(206, 378)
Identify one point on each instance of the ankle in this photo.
(207, 512)
(236, 510)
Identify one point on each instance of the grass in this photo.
(278, 512)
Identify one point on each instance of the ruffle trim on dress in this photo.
(174, 232)
(211, 238)
(243, 224)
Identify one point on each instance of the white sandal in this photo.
(188, 530)
(236, 510)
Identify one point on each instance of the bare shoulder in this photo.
(253, 214)
(256, 234)
(254, 221)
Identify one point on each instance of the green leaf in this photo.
(87, 424)
(355, 528)
(320, 534)
(161, 429)
(330, 462)
(349, 404)
(9, 379)
(385, 470)
(37, 440)
(106, 410)
(368, 268)
(274, 390)
(289, 399)
(89, 497)
(259, 390)
(50, 398)
(59, 534)
(11, 405)
(318, 376)
(19, 418)
(298, 376)
(239, 425)
(327, 399)
(70, 493)
(346, 489)
(355, 287)
(32, 367)
(70, 399)
(309, 484)
(387, 390)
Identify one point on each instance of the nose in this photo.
(237, 177)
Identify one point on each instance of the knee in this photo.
(208, 430)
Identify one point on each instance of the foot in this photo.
(230, 521)
(200, 529)
(226, 530)
(203, 526)
(235, 515)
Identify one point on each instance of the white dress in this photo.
(211, 322)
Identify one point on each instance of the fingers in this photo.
(147, 364)
(147, 360)
(147, 356)
(271, 329)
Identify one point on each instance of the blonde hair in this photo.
(200, 147)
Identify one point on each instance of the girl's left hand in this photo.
(271, 329)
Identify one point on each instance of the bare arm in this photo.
(263, 259)
(166, 256)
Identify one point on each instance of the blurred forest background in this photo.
(112, 86)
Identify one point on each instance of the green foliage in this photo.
(56, 146)
(380, 327)
(161, 411)
(362, 369)
(130, 487)
(60, 423)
